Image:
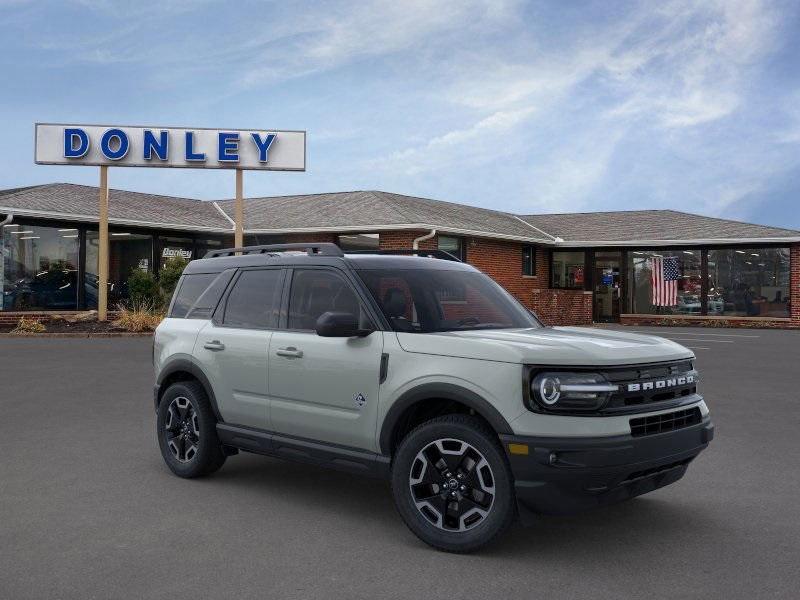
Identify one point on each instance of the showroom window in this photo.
(176, 247)
(39, 268)
(453, 245)
(128, 251)
(529, 261)
(667, 282)
(568, 270)
(748, 282)
(359, 241)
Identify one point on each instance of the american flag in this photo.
(664, 279)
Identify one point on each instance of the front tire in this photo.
(187, 431)
(452, 484)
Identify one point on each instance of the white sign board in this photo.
(189, 148)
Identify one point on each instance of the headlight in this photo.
(571, 391)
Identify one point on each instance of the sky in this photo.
(529, 107)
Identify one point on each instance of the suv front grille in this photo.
(654, 424)
(669, 381)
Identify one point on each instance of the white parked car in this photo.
(422, 370)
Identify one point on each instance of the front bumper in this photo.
(561, 475)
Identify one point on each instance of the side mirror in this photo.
(339, 324)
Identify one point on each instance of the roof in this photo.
(374, 210)
(365, 211)
(80, 202)
(665, 226)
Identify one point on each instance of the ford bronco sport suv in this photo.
(422, 370)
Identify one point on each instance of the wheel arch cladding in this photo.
(419, 397)
(184, 370)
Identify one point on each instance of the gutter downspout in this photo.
(7, 220)
(427, 236)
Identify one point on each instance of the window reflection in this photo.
(568, 270)
(128, 251)
(39, 268)
(666, 282)
(747, 282)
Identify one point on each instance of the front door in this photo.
(324, 388)
(607, 286)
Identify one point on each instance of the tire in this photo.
(190, 445)
(459, 505)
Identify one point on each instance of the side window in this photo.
(189, 290)
(253, 302)
(204, 307)
(529, 260)
(317, 291)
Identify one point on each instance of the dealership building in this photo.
(649, 266)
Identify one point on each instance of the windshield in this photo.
(433, 300)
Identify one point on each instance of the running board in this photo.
(333, 456)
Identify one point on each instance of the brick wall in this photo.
(563, 307)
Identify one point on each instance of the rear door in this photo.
(233, 347)
(322, 388)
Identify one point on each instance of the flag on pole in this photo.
(664, 279)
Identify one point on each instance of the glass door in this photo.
(607, 286)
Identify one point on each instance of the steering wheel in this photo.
(468, 321)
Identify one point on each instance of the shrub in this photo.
(139, 317)
(26, 325)
(143, 288)
(169, 275)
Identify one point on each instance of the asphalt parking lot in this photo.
(88, 510)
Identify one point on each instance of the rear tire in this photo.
(187, 431)
(452, 484)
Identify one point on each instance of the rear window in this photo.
(189, 290)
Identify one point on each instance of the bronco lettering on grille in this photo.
(659, 384)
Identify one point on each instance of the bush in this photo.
(26, 325)
(142, 316)
(143, 288)
(170, 274)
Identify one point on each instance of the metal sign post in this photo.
(176, 147)
(103, 253)
(238, 234)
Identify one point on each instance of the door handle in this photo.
(290, 352)
(214, 345)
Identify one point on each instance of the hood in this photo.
(576, 346)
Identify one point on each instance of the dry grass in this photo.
(139, 317)
(26, 325)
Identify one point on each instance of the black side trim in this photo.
(384, 368)
(188, 367)
(342, 458)
(446, 391)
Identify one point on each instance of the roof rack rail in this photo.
(322, 248)
(442, 254)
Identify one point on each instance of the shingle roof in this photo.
(650, 225)
(375, 210)
(70, 201)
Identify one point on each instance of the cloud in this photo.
(472, 143)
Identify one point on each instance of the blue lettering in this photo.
(263, 145)
(159, 146)
(190, 153)
(122, 144)
(70, 137)
(228, 142)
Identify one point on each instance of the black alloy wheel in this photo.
(187, 431)
(452, 484)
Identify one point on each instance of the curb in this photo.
(121, 334)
